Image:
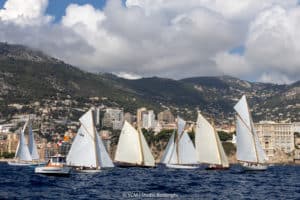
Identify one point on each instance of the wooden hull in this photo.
(127, 165)
(175, 166)
(254, 167)
(53, 171)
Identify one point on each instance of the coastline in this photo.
(6, 159)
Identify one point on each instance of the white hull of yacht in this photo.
(16, 163)
(254, 167)
(86, 170)
(47, 170)
(174, 166)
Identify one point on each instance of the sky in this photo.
(251, 39)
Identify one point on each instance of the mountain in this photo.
(28, 75)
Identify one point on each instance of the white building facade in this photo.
(275, 136)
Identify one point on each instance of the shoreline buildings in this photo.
(277, 137)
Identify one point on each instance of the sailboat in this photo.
(22, 155)
(249, 150)
(180, 152)
(32, 145)
(88, 153)
(208, 145)
(132, 149)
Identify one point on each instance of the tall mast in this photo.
(95, 140)
(216, 135)
(174, 139)
(177, 141)
(252, 132)
(140, 144)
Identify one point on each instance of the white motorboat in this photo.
(19, 163)
(56, 166)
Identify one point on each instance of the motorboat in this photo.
(56, 166)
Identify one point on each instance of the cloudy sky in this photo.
(256, 40)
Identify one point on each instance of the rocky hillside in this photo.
(28, 75)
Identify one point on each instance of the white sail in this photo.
(181, 151)
(23, 151)
(243, 111)
(169, 149)
(128, 149)
(248, 147)
(174, 151)
(104, 159)
(18, 146)
(82, 152)
(224, 159)
(17, 153)
(147, 155)
(174, 157)
(244, 142)
(87, 122)
(31, 144)
(180, 126)
(208, 145)
(87, 149)
(262, 157)
(186, 150)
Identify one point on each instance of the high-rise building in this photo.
(275, 136)
(148, 120)
(139, 116)
(114, 118)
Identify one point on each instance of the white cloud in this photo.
(127, 75)
(231, 9)
(85, 16)
(232, 64)
(173, 39)
(273, 42)
(29, 12)
(275, 78)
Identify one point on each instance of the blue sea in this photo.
(278, 182)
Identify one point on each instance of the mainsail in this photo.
(132, 147)
(87, 149)
(169, 149)
(186, 150)
(180, 150)
(249, 148)
(208, 145)
(104, 159)
(31, 144)
(23, 153)
(82, 152)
